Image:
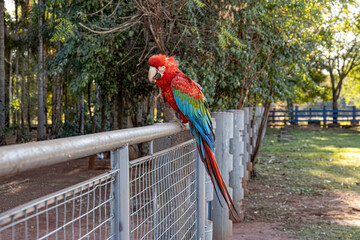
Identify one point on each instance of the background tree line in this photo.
(80, 66)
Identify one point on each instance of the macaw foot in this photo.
(183, 127)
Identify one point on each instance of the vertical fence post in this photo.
(296, 115)
(237, 150)
(120, 188)
(272, 118)
(353, 123)
(201, 217)
(209, 196)
(265, 128)
(223, 133)
(255, 125)
(246, 156)
(324, 117)
(335, 115)
(249, 146)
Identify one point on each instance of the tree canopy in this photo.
(94, 56)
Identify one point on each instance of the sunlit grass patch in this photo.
(319, 158)
(316, 163)
(327, 231)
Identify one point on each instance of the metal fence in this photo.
(160, 196)
(81, 211)
(163, 195)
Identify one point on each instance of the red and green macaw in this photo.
(185, 97)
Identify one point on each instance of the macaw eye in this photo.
(162, 68)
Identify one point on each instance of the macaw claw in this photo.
(183, 127)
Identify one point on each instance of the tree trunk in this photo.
(45, 91)
(97, 103)
(90, 110)
(10, 88)
(40, 128)
(28, 99)
(17, 76)
(168, 112)
(2, 74)
(115, 112)
(334, 88)
(57, 93)
(118, 108)
(81, 113)
(262, 127)
(17, 95)
(103, 112)
(290, 107)
(335, 106)
(53, 102)
(23, 104)
(7, 86)
(92, 157)
(66, 112)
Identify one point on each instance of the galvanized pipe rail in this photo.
(21, 157)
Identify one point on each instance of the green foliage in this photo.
(241, 52)
(313, 88)
(351, 92)
(69, 129)
(259, 45)
(64, 29)
(199, 3)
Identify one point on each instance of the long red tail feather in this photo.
(217, 180)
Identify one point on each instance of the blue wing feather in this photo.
(197, 113)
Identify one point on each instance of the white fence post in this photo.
(120, 226)
(222, 225)
(266, 124)
(201, 204)
(247, 143)
(237, 150)
(209, 196)
(257, 118)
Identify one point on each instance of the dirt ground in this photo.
(21, 188)
(258, 231)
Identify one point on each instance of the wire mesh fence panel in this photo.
(163, 203)
(82, 211)
(163, 194)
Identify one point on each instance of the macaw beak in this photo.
(154, 74)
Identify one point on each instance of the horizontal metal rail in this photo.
(22, 157)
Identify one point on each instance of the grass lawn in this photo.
(310, 186)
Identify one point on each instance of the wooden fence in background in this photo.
(324, 117)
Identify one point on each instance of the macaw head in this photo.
(159, 64)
